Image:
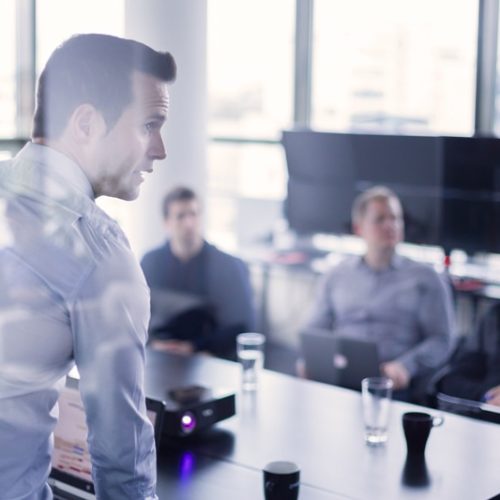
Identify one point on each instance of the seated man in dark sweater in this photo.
(485, 387)
(188, 266)
(492, 396)
(473, 372)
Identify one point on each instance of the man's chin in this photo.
(387, 246)
(129, 194)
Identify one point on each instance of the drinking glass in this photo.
(377, 395)
(250, 350)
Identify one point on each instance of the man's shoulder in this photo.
(219, 255)
(406, 263)
(345, 269)
(59, 248)
(423, 272)
(224, 266)
(346, 265)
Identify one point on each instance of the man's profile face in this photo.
(183, 221)
(127, 151)
(381, 226)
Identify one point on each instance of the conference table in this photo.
(319, 427)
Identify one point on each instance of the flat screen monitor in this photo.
(449, 186)
(326, 171)
(470, 213)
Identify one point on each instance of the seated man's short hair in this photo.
(379, 193)
(180, 193)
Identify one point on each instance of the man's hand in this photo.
(492, 397)
(173, 346)
(300, 368)
(397, 372)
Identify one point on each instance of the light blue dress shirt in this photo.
(406, 309)
(70, 291)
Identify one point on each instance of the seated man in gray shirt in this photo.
(400, 304)
(187, 265)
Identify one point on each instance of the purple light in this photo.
(186, 465)
(188, 422)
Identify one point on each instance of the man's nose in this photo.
(388, 223)
(157, 149)
(393, 223)
(190, 221)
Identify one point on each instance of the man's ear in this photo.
(356, 229)
(86, 123)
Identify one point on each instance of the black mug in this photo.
(415, 473)
(281, 481)
(417, 427)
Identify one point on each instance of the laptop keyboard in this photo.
(63, 495)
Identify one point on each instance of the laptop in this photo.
(337, 360)
(71, 477)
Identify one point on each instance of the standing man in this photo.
(72, 291)
(398, 303)
(187, 265)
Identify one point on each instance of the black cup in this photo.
(417, 427)
(281, 481)
(415, 473)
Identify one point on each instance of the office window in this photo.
(248, 169)
(79, 16)
(392, 66)
(250, 67)
(250, 96)
(246, 186)
(8, 68)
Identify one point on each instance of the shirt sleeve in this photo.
(322, 314)
(436, 325)
(109, 318)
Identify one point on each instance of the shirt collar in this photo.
(200, 254)
(395, 263)
(59, 166)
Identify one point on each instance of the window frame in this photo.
(485, 70)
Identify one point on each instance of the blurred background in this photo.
(249, 70)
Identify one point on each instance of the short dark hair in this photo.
(93, 69)
(378, 193)
(180, 193)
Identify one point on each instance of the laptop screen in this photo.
(338, 360)
(71, 465)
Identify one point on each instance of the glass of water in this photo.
(250, 350)
(376, 393)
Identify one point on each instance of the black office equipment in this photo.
(191, 409)
(338, 360)
(449, 186)
(327, 170)
(468, 408)
(470, 213)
